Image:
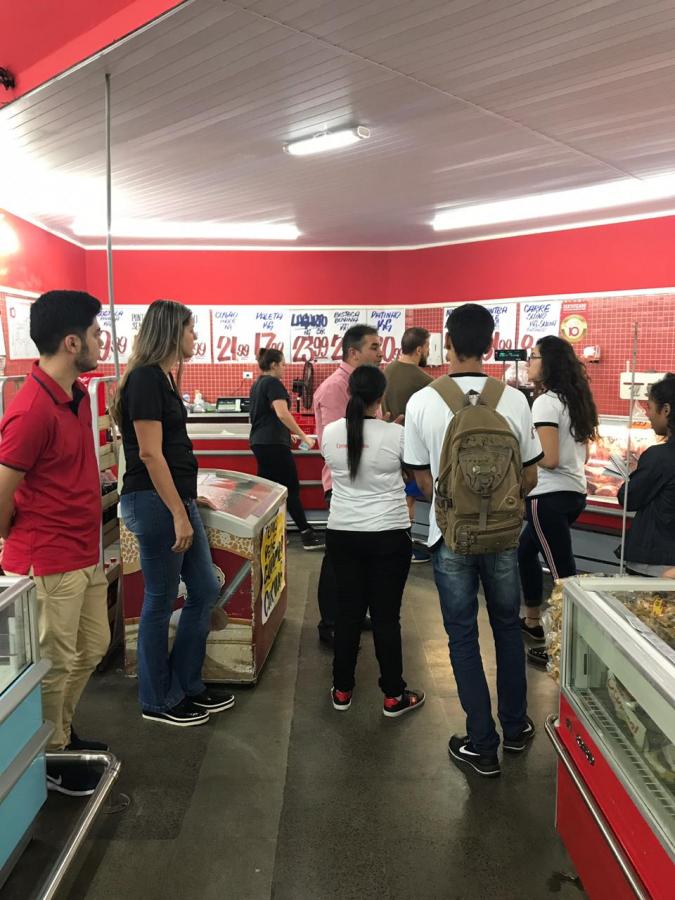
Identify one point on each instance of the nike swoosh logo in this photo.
(55, 780)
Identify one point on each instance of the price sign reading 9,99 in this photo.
(239, 333)
(316, 336)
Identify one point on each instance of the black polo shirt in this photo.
(149, 395)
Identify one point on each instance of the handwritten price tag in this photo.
(390, 324)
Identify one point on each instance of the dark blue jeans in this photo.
(167, 678)
(457, 580)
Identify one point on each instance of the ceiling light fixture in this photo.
(327, 140)
(625, 192)
(152, 229)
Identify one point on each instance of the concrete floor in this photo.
(284, 798)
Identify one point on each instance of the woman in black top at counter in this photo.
(650, 543)
(272, 426)
(158, 505)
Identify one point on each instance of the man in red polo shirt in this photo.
(50, 513)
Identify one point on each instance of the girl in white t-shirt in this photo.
(566, 419)
(368, 540)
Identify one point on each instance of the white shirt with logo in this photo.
(427, 418)
(375, 500)
(569, 474)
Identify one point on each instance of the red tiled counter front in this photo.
(224, 445)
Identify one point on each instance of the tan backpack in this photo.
(478, 494)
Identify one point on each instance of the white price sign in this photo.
(239, 333)
(128, 320)
(18, 327)
(390, 324)
(203, 349)
(316, 336)
(537, 320)
(505, 316)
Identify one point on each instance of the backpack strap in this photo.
(451, 393)
(492, 392)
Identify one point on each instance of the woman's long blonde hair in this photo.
(160, 338)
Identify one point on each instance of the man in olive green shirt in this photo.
(405, 376)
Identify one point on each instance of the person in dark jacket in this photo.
(650, 543)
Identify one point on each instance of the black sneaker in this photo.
(213, 700)
(312, 541)
(341, 699)
(78, 743)
(410, 700)
(420, 555)
(518, 744)
(536, 632)
(461, 748)
(183, 714)
(74, 780)
(538, 657)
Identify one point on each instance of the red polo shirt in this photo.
(48, 435)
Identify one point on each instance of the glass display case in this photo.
(610, 449)
(618, 676)
(15, 636)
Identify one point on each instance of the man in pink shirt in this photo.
(360, 346)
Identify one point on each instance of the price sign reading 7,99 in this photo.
(316, 336)
(239, 333)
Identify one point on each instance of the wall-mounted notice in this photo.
(537, 320)
(128, 321)
(505, 316)
(238, 333)
(203, 348)
(390, 324)
(18, 327)
(316, 335)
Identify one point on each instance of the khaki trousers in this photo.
(74, 635)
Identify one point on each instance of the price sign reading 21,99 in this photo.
(239, 333)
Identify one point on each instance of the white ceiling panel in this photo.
(468, 101)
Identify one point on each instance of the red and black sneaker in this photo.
(408, 701)
(341, 699)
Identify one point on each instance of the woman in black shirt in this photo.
(158, 505)
(271, 428)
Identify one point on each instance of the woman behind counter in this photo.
(158, 505)
(272, 426)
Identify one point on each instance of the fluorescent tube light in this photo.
(211, 231)
(327, 140)
(625, 192)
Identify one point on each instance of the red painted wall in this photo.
(41, 38)
(286, 278)
(626, 256)
(42, 260)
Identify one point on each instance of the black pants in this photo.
(549, 517)
(371, 568)
(276, 463)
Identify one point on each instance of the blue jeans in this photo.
(457, 578)
(167, 678)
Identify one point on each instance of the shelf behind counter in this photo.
(220, 441)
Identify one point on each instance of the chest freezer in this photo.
(246, 530)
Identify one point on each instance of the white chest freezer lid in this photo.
(242, 501)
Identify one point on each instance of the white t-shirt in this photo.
(375, 500)
(569, 474)
(427, 418)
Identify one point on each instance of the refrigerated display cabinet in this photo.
(615, 735)
(23, 734)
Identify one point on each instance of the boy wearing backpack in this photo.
(472, 445)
